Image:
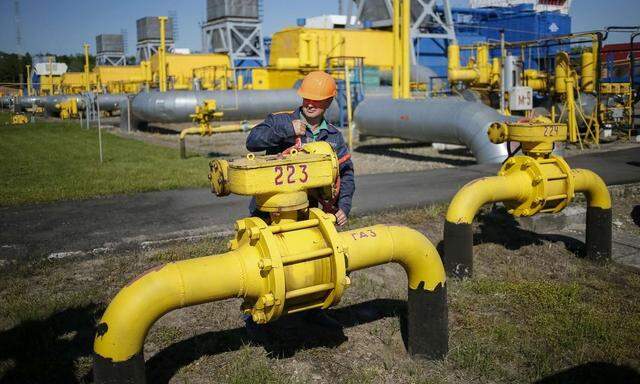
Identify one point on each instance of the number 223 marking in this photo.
(290, 171)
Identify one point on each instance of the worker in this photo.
(279, 131)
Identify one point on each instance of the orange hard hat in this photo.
(317, 85)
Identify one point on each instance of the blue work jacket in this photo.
(275, 134)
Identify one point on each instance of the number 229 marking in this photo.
(291, 172)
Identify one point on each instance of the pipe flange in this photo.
(560, 204)
(268, 306)
(535, 200)
(338, 263)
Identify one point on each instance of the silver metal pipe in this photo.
(111, 102)
(450, 120)
(176, 106)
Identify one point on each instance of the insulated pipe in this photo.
(177, 106)
(111, 102)
(518, 187)
(448, 120)
(120, 335)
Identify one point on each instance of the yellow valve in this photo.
(535, 79)
(536, 136)
(481, 73)
(538, 182)
(203, 116)
(19, 119)
(295, 262)
(68, 108)
(279, 183)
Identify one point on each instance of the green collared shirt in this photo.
(323, 126)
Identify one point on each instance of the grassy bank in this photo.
(45, 162)
(534, 311)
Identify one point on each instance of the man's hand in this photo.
(298, 127)
(341, 218)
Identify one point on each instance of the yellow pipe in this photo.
(206, 131)
(347, 78)
(124, 326)
(162, 58)
(244, 272)
(588, 74)
(87, 86)
(468, 201)
(406, 51)
(454, 70)
(495, 72)
(51, 75)
(593, 187)
(484, 66)
(29, 87)
(381, 244)
(397, 55)
(211, 130)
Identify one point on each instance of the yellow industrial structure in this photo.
(296, 48)
(212, 70)
(535, 182)
(74, 82)
(294, 262)
(122, 78)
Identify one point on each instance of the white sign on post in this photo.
(520, 98)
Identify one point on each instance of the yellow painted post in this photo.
(349, 112)
(396, 50)
(87, 86)
(51, 75)
(405, 49)
(29, 88)
(162, 59)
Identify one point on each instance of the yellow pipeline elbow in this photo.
(458, 231)
(454, 70)
(593, 187)
(466, 203)
(124, 326)
(382, 244)
(427, 320)
(598, 236)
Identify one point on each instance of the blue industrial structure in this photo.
(472, 26)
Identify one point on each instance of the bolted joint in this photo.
(265, 265)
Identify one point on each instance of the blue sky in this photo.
(62, 26)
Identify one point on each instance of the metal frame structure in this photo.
(428, 20)
(147, 48)
(111, 58)
(240, 38)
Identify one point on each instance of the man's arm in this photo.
(347, 179)
(268, 134)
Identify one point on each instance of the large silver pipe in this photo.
(448, 120)
(6, 101)
(176, 106)
(111, 102)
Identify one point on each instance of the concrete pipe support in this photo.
(535, 183)
(450, 120)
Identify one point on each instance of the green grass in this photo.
(46, 162)
(529, 313)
